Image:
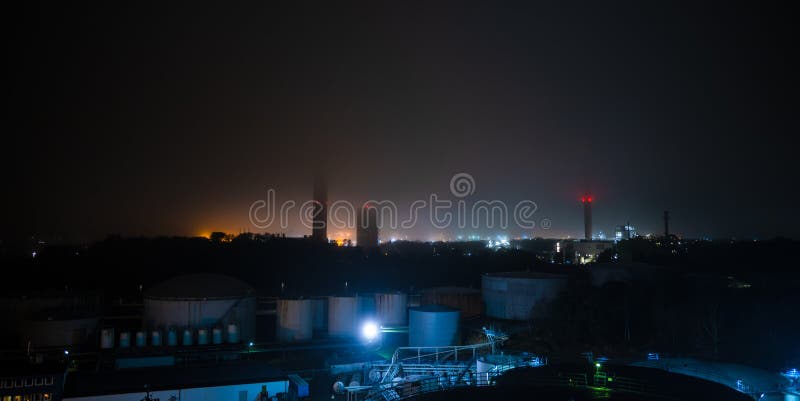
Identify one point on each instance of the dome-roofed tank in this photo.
(513, 295)
(201, 300)
(466, 300)
(433, 326)
(295, 320)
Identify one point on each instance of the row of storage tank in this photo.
(213, 309)
(170, 337)
(343, 316)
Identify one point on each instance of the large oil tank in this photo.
(466, 300)
(201, 300)
(58, 331)
(319, 308)
(365, 307)
(294, 320)
(433, 326)
(342, 316)
(391, 309)
(515, 295)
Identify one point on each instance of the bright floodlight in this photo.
(369, 330)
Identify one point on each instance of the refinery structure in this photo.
(202, 336)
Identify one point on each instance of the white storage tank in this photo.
(233, 333)
(201, 300)
(365, 307)
(172, 337)
(202, 336)
(342, 316)
(125, 339)
(294, 320)
(188, 337)
(216, 335)
(155, 338)
(433, 326)
(319, 307)
(514, 295)
(107, 338)
(391, 309)
(141, 339)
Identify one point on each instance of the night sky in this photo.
(172, 120)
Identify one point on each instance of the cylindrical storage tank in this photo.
(107, 338)
(188, 337)
(319, 307)
(433, 326)
(233, 333)
(201, 300)
(355, 380)
(216, 335)
(365, 307)
(155, 338)
(141, 339)
(294, 320)
(202, 336)
(518, 295)
(172, 337)
(125, 339)
(341, 316)
(391, 309)
(467, 300)
(57, 330)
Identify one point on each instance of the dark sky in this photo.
(166, 119)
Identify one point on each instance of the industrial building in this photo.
(624, 232)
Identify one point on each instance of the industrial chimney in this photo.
(587, 216)
(319, 227)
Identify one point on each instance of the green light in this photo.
(597, 365)
(611, 379)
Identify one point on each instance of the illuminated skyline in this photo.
(174, 120)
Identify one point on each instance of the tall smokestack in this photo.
(666, 223)
(319, 227)
(587, 216)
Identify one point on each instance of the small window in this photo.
(37, 397)
(18, 383)
(29, 382)
(8, 383)
(6, 398)
(39, 381)
(47, 396)
(48, 381)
